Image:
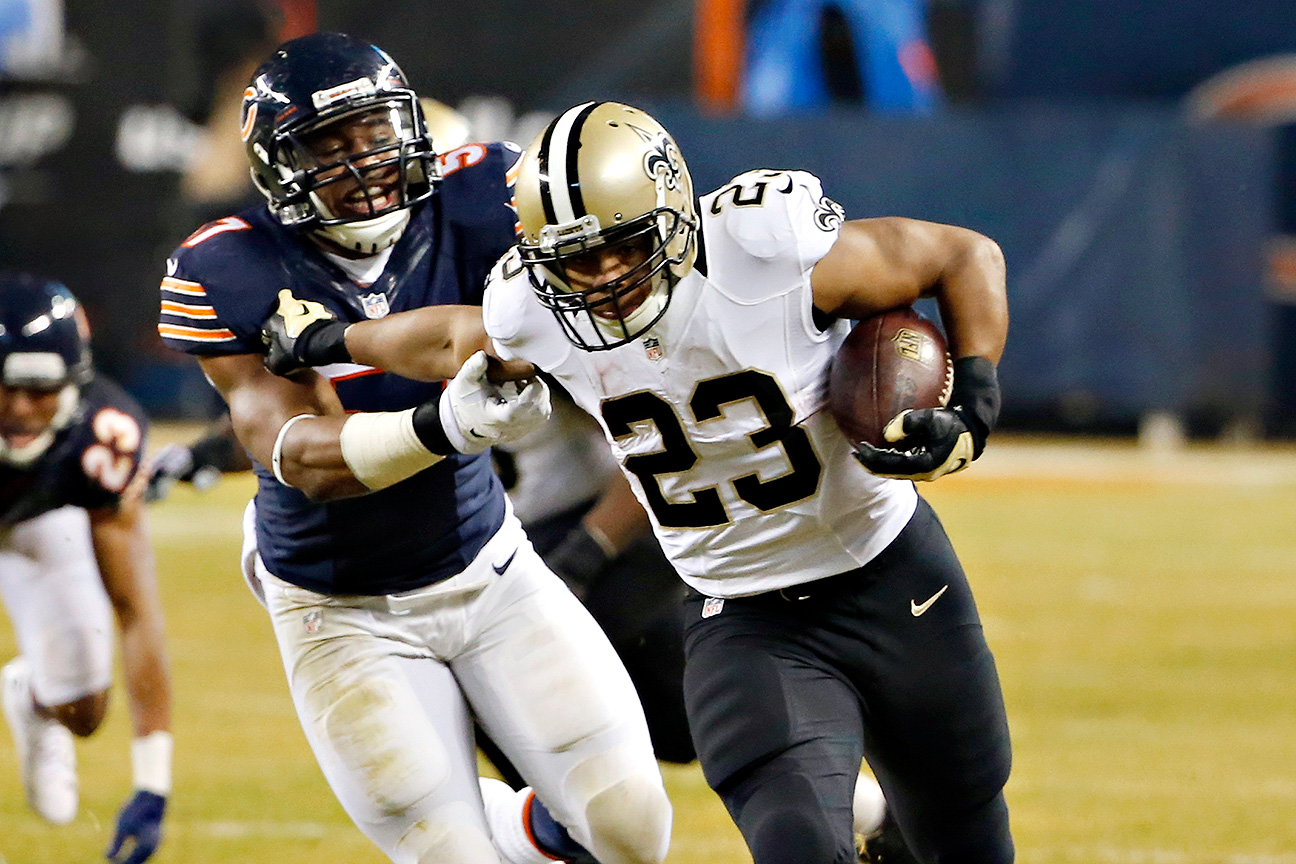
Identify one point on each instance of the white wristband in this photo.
(381, 448)
(276, 454)
(151, 762)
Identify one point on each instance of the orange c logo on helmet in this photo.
(249, 113)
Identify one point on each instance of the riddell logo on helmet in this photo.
(358, 87)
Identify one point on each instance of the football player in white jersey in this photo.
(829, 617)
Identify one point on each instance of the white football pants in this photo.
(50, 584)
(385, 688)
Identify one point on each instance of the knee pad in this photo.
(389, 751)
(626, 812)
(782, 823)
(630, 819)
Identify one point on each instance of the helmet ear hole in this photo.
(311, 83)
(259, 183)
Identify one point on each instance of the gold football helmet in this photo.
(605, 174)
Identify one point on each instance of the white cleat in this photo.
(46, 752)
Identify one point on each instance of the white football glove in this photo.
(477, 413)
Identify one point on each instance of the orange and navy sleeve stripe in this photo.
(188, 316)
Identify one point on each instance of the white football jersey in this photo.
(717, 414)
(560, 465)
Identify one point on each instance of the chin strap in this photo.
(369, 236)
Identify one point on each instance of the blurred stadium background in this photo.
(1130, 534)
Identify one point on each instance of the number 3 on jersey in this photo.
(111, 460)
(677, 454)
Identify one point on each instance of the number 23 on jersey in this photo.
(111, 459)
(706, 509)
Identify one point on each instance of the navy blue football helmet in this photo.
(44, 338)
(295, 102)
(44, 346)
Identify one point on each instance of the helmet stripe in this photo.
(558, 166)
(573, 173)
(546, 200)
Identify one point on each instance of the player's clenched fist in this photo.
(298, 331)
(478, 413)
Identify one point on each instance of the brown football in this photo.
(888, 363)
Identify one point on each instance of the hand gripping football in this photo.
(889, 363)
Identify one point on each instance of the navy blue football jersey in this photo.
(91, 461)
(223, 282)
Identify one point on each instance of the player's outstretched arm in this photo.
(125, 558)
(881, 264)
(427, 344)
(297, 426)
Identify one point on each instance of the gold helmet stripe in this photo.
(559, 179)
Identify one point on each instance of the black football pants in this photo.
(785, 692)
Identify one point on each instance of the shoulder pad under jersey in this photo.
(219, 284)
(780, 218)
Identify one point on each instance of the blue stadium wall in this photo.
(1134, 242)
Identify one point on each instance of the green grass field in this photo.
(1142, 608)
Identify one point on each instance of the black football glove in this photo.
(200, 464)
(933, 442)
(579, 560)
(301, 334)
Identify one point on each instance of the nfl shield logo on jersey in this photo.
(312, 621)
(712, 606)
(652, 347)
(375, 305)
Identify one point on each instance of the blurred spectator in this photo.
(806, 54)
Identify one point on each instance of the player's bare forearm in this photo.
(260, 404)
(881, 264)
(428, 344)
(125, 558)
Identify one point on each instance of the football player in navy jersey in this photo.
(402, 590)
(74, 551)
(829, 617)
